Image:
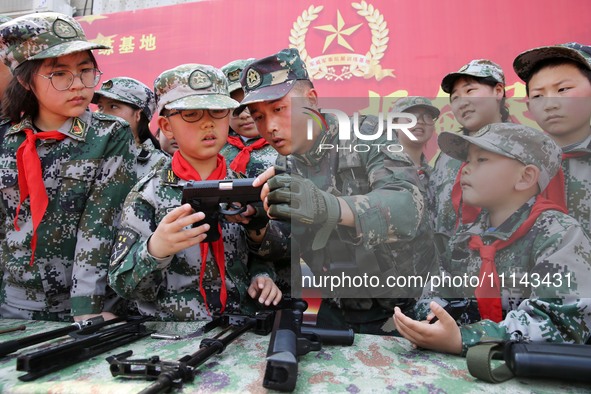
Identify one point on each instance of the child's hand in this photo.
(171, 236)
(442, 336)
(266, 290)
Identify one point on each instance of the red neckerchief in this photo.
(488, 297)
(30, 180)
(468, 213)
(185, 171)
(241, 160)
(556, 189)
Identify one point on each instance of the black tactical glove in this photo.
(299, 199)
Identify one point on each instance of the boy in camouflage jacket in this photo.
(246, 152)
(134, 102)
(159, 260)
(526, 261)
(558, 85)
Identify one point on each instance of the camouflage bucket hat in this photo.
(519, 142)
(192, 86)
(130, 91)
(479, 68)
(41, 36)
(405, 103)
(272, 77)
(232, 72)
(525, 62)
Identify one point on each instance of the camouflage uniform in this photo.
(86, 176)
(375, 185)
(577, 170)
(556, 248)
(424, 169)
(260, 159)
(168, 288)
(133, 92)
(445, 168)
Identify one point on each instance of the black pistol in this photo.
(291, 339)
(206, 197)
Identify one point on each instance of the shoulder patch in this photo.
(126, 237)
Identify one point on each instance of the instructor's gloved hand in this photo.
(296, 198)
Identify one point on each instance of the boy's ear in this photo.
(529, 177)
(165, 127)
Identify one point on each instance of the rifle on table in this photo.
(291, 339)
(168, 374)
(206, 197)
(87, 344)
(89, 325)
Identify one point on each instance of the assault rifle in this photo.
(89, 325)
(291, 339)
(206, 197)
(87, 344)
(168, 374)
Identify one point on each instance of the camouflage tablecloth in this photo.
(372, 364)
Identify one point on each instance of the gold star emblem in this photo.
(338, 32)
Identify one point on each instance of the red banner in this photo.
(377, 48)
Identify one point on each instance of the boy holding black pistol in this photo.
(160, 260)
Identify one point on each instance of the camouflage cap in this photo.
(192, 86)
(405, 103)
(479, 68)
(40, 36)
(130, 91)
(519, 142)
(525, 62)
(271, 77)
(232, 72)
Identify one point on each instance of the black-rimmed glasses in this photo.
(63, 80)
(195, 115)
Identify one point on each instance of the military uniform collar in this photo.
(482, 225)
(75, 128)
(583, 146)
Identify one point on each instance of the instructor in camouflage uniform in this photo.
(352, 213)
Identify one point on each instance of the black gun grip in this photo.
(211, 218)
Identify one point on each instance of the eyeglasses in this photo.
(426, 118)
(63, 80)
(195, 115)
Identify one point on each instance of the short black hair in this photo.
(556, 62)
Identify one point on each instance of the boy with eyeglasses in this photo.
(160, 259)
(65, 173)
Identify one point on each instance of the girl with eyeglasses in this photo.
(64, 173)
